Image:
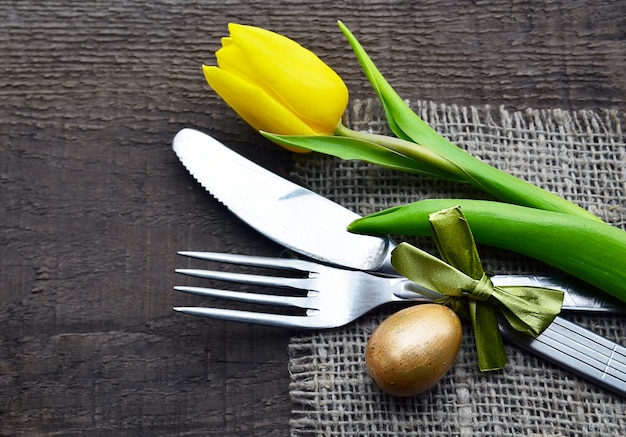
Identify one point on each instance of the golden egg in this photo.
(411, 351)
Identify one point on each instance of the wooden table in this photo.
(95, 204)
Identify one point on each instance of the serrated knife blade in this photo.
(286, 213)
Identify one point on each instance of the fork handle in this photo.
(578, 296)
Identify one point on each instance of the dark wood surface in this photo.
(95, 204)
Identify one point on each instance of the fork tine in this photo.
(279, 320)
(255, 261)
(258, 298)
(244, 278)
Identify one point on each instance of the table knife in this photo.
(314, 226)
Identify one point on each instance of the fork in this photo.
(336, 296)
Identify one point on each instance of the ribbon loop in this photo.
(462, 279)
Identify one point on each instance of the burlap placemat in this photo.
(579, 155)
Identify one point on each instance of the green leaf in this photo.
(586, 248)
(358, 149)
(405, 123)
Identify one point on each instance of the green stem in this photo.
(407, 148)
(475, 172)
(511, 189)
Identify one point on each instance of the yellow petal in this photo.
(253, 104)
(231, 58)
(304, 83)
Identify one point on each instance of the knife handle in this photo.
(578, 350)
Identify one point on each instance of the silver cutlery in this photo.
(330, 297)
(314, 226)
(334, 296)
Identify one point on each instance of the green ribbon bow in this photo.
(470, 292)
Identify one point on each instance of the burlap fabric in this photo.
(579, 155)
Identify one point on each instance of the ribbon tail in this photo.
(489, 342)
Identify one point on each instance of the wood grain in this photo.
(95, 204)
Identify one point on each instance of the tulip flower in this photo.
(275, 84)
(293, 98)
(281, 88)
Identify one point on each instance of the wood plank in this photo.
(95, 204)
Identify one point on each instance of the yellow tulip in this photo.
(275, 84)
